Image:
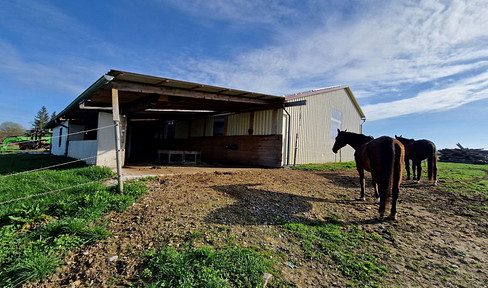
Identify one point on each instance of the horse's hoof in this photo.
(418, 181)
(435, 183)
(379, 217)
(377, 201)
(392, 217)
(362, 199)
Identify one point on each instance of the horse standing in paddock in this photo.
(384, 158)
(418, 150)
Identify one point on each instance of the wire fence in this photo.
(48, 167)
(54, 191)
(59, 136)
(22, 279)
(56, 166)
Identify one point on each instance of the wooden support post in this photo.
(116, 117)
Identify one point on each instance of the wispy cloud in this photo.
(65, 75)
(405, 44)
(49, 49)
(380, 49)
(453, 96)
(236, 11)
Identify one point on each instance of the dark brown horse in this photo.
(383, 157)
(418, 150)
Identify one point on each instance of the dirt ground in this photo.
(437, 240)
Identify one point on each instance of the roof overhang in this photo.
(150, 97)
(293, 97)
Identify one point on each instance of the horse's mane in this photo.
(359, 139)
(404, 139)
(358, 136)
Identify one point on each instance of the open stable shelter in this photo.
(159, 118)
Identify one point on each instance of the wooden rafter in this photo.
(141, 88)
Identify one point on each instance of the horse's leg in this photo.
(382, 189)
(397, 179)
(407, 167)
(361, 182)
(419, 170)
(414, 170)
(375, 186)
(432, 168)
(434, 163)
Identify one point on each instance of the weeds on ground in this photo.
(205, 267)
(36, 232)
(346, 248)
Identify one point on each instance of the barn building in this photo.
(313, 127)
(170, 121)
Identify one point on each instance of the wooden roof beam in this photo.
(141, 88)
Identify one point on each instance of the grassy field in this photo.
(35, 232)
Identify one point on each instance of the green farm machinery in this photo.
(33, 141)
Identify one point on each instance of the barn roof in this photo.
(292, 97)
(150, 97)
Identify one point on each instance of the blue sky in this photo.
(417, 68)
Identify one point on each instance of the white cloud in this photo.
(450, 97)
(235, 11)
(65, 75)
(404, 43)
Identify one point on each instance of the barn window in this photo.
(219, 126)
(335, 123)
(60, 136)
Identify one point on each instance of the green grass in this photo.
(36, 232)
(206, 267)
(461, 172)
(11, 163)
(339, 244)
(327, 166)
(464, 179)
(346, 248)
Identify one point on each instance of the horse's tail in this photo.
(387, 167)
(432, 164)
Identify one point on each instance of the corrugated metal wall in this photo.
(182, 129)
(209, 126)
(267, 122)
(238, 124)
(311, 138)
(197, 127)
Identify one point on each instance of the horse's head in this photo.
(355, 140)
(404, 141)
(340, 141)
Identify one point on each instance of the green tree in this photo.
(10, 129)
(41, 119)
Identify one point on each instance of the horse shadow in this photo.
(254, 206)
(345, 181)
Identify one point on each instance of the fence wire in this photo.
(53, 191)
(47, 167)
(20, 281)
(54, 166)
(63, 135)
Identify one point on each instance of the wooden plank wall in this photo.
(254, 150)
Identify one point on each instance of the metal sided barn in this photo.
(167, 121)
(313, 126)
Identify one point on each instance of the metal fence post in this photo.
(116, 117)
